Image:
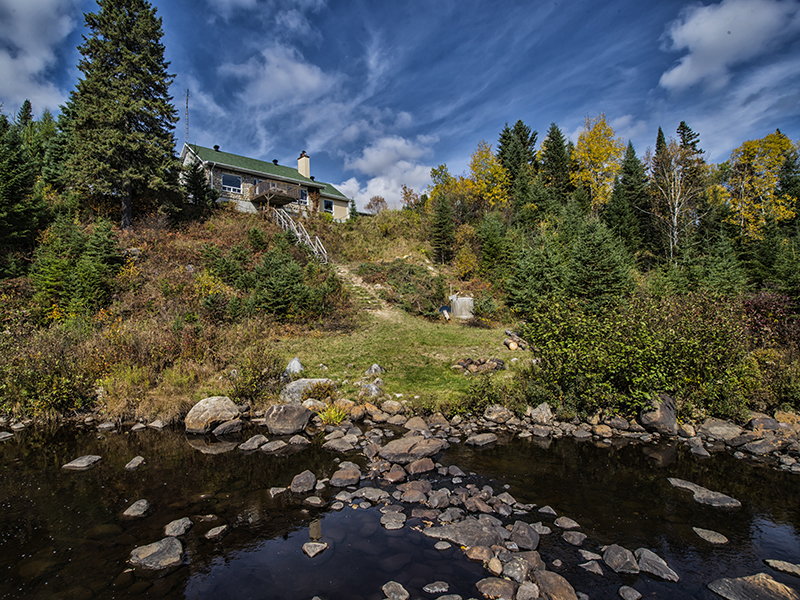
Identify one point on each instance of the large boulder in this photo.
(496, 588)
(759, 585)
(293, 392)
(410, 448)
(469, 532)
(286, 419)
(497, 413)
(660, 416)
(210, 412)
(553, 586)
(541, 415)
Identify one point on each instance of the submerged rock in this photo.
(82, 463)
(753, 587)
(705, 496)
(158, 555)
(710, 536)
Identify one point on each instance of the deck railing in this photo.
(268, 189)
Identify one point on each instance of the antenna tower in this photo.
(187, 115)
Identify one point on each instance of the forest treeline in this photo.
(631, 273)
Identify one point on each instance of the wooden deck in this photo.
(275, 193)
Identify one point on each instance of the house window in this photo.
(303, 197)
(231, 183)
(328, 207)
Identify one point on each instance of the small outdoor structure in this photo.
(461, 307)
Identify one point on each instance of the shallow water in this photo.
(62, 534)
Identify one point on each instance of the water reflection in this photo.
(63, 535)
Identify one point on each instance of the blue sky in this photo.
(379, 92)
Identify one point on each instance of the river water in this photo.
(63, 535)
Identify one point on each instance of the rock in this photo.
(784, 567)
(516, 569)
(311, 549)
(5, 435)
(581, 434)
(710, 536)
(303, 482)
(158, 555)
(229, 427)
(527, 591)
(763, 447)
(254, 443)
(566, 523)
(652, 563)
(661, 416)
(178, 527)
(547, 510)
(494, 587)
(789, 417)
(158, 425)
(604, 431)
(620, 560)
(468, 532)
(294, 367)
(753, 587)
(719, 430)
(217, 533)
(696, 447)
(314, 501)
(497, 413)
(760, 423)
(410, 448)
(137, 509)
(685, 430)
(423, 465)
(416, 424)
(392, 589)
(371, 390)
(705, 496)
(392, 407)
(135, 463)
(437, 587)
(534, 559)
(375, 369)
(618, 422)
(345, 477)
(541, 431)
(107, 426)
(628, 593)
(293, 392)
(272, 447)
(210, 412)
(481, 439)
(524, 536)
(341, 445)
(479, 553)
(441, 546)
(575, 538)
(286, 419)
(541, 415)
(82, 463)
(593, 567)
(553, 586)
(393, 520)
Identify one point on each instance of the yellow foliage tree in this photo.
(599, 157)
(489, 178)
(753, 184)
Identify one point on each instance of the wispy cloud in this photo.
(720, 36)
(31, 32)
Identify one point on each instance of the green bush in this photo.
(259, 376)
(410, 286)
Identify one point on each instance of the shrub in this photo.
(410, 286)
(259, 375)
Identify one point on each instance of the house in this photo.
(254, 185)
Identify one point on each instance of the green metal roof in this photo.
(259, 166)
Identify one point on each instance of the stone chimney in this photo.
(304, 164)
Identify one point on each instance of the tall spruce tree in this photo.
(122, 147)
(554, 164)
(624, 211)
(443, 235)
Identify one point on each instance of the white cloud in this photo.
(30, 32)
(719, 36)
(390, 162)
(279, 74)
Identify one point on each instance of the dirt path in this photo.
(367, 295)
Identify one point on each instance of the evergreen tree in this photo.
(20, 211)
(198, 190)
(598, 270)
(555, 164)
(122, 147)
(443, 235)
(25, 115)
(515, 150)
(57, 148)
(624, 213)
(353, 216)
(537, 276)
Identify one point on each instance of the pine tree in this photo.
(353, 216)
(442, 228)
(555, 164)
(624, 211)
(599, 270)
(122, 148)
(198, 190)
(54, 171)
(20, 212)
